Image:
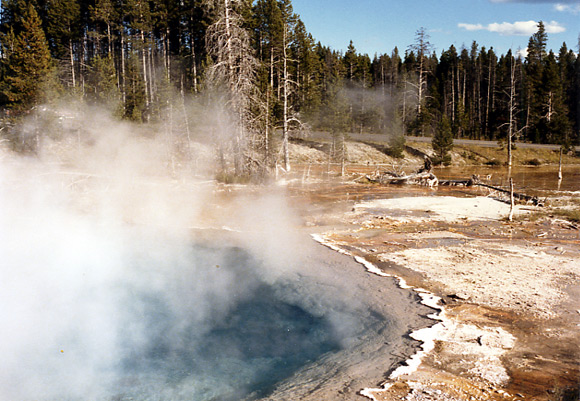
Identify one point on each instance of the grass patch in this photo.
(533, 162)
(532, 216)
(231, 178)
(572, 215)
(445, 160)
(493, 162)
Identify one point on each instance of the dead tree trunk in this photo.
(511, 111)
(285, 102)
(72, 63)
(145, 75)
(233, 72)
(560, 166)
(521, 197)
(122, 74)
(511, 215)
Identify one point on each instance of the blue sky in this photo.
(377, 26)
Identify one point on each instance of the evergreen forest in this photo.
(255, 59)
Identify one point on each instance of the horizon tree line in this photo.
(138, 58)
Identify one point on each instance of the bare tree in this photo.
(421, 47)
(513, 132)
(512, 204)
(512, 109)
(233, 74)
(290, 119)
(286, 79)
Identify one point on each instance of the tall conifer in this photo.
(27, 64)
(63, 31)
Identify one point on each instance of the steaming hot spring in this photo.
(116, 287)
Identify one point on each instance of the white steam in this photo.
(98, 266)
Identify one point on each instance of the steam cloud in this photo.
(104, 293)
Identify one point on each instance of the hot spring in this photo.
(247, 341)
(112, 289)
(204, 327)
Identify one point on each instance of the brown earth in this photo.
(510, 326)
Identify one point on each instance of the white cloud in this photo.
(567, 8)
(471, 27)
(522, 28)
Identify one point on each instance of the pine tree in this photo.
(309, 95)
(336, 115)
(554, 125)
(575, 102)
(104, 12)
(101, 84)
(537, 45)
(140, 24)
(445, 73)
(152, 46)
(166, 20)
(350, 62)
(509, 71)
(27, 63)
(192, 38)
(12, 12)
(135, 105)
(490, 63)
(287, 84)
(442, 142)
(534, 71)
(469, 60)
(63, 31)
(566, 63)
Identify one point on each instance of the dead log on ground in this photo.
(457, 183)
(423, 178)
(534, 200)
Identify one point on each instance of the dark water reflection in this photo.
(241, 353)
(527, 179)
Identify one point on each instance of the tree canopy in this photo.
(127, 54)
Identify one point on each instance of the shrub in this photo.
(396, 146)
(493, 162)
(572, 215)
(445, 160)
(442, 142)
(533, 162)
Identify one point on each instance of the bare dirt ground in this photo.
(510, 322)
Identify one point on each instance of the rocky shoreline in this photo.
(510, 326)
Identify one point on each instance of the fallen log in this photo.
(427, 178)
(422, 178)
(521, 197)
(457, 183)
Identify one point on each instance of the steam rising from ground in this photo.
(104, 292)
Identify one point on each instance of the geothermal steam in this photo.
(106, 294)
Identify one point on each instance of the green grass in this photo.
(533, 162)
(572, 215)
(478, 155)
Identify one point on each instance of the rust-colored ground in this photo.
(543, 364)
